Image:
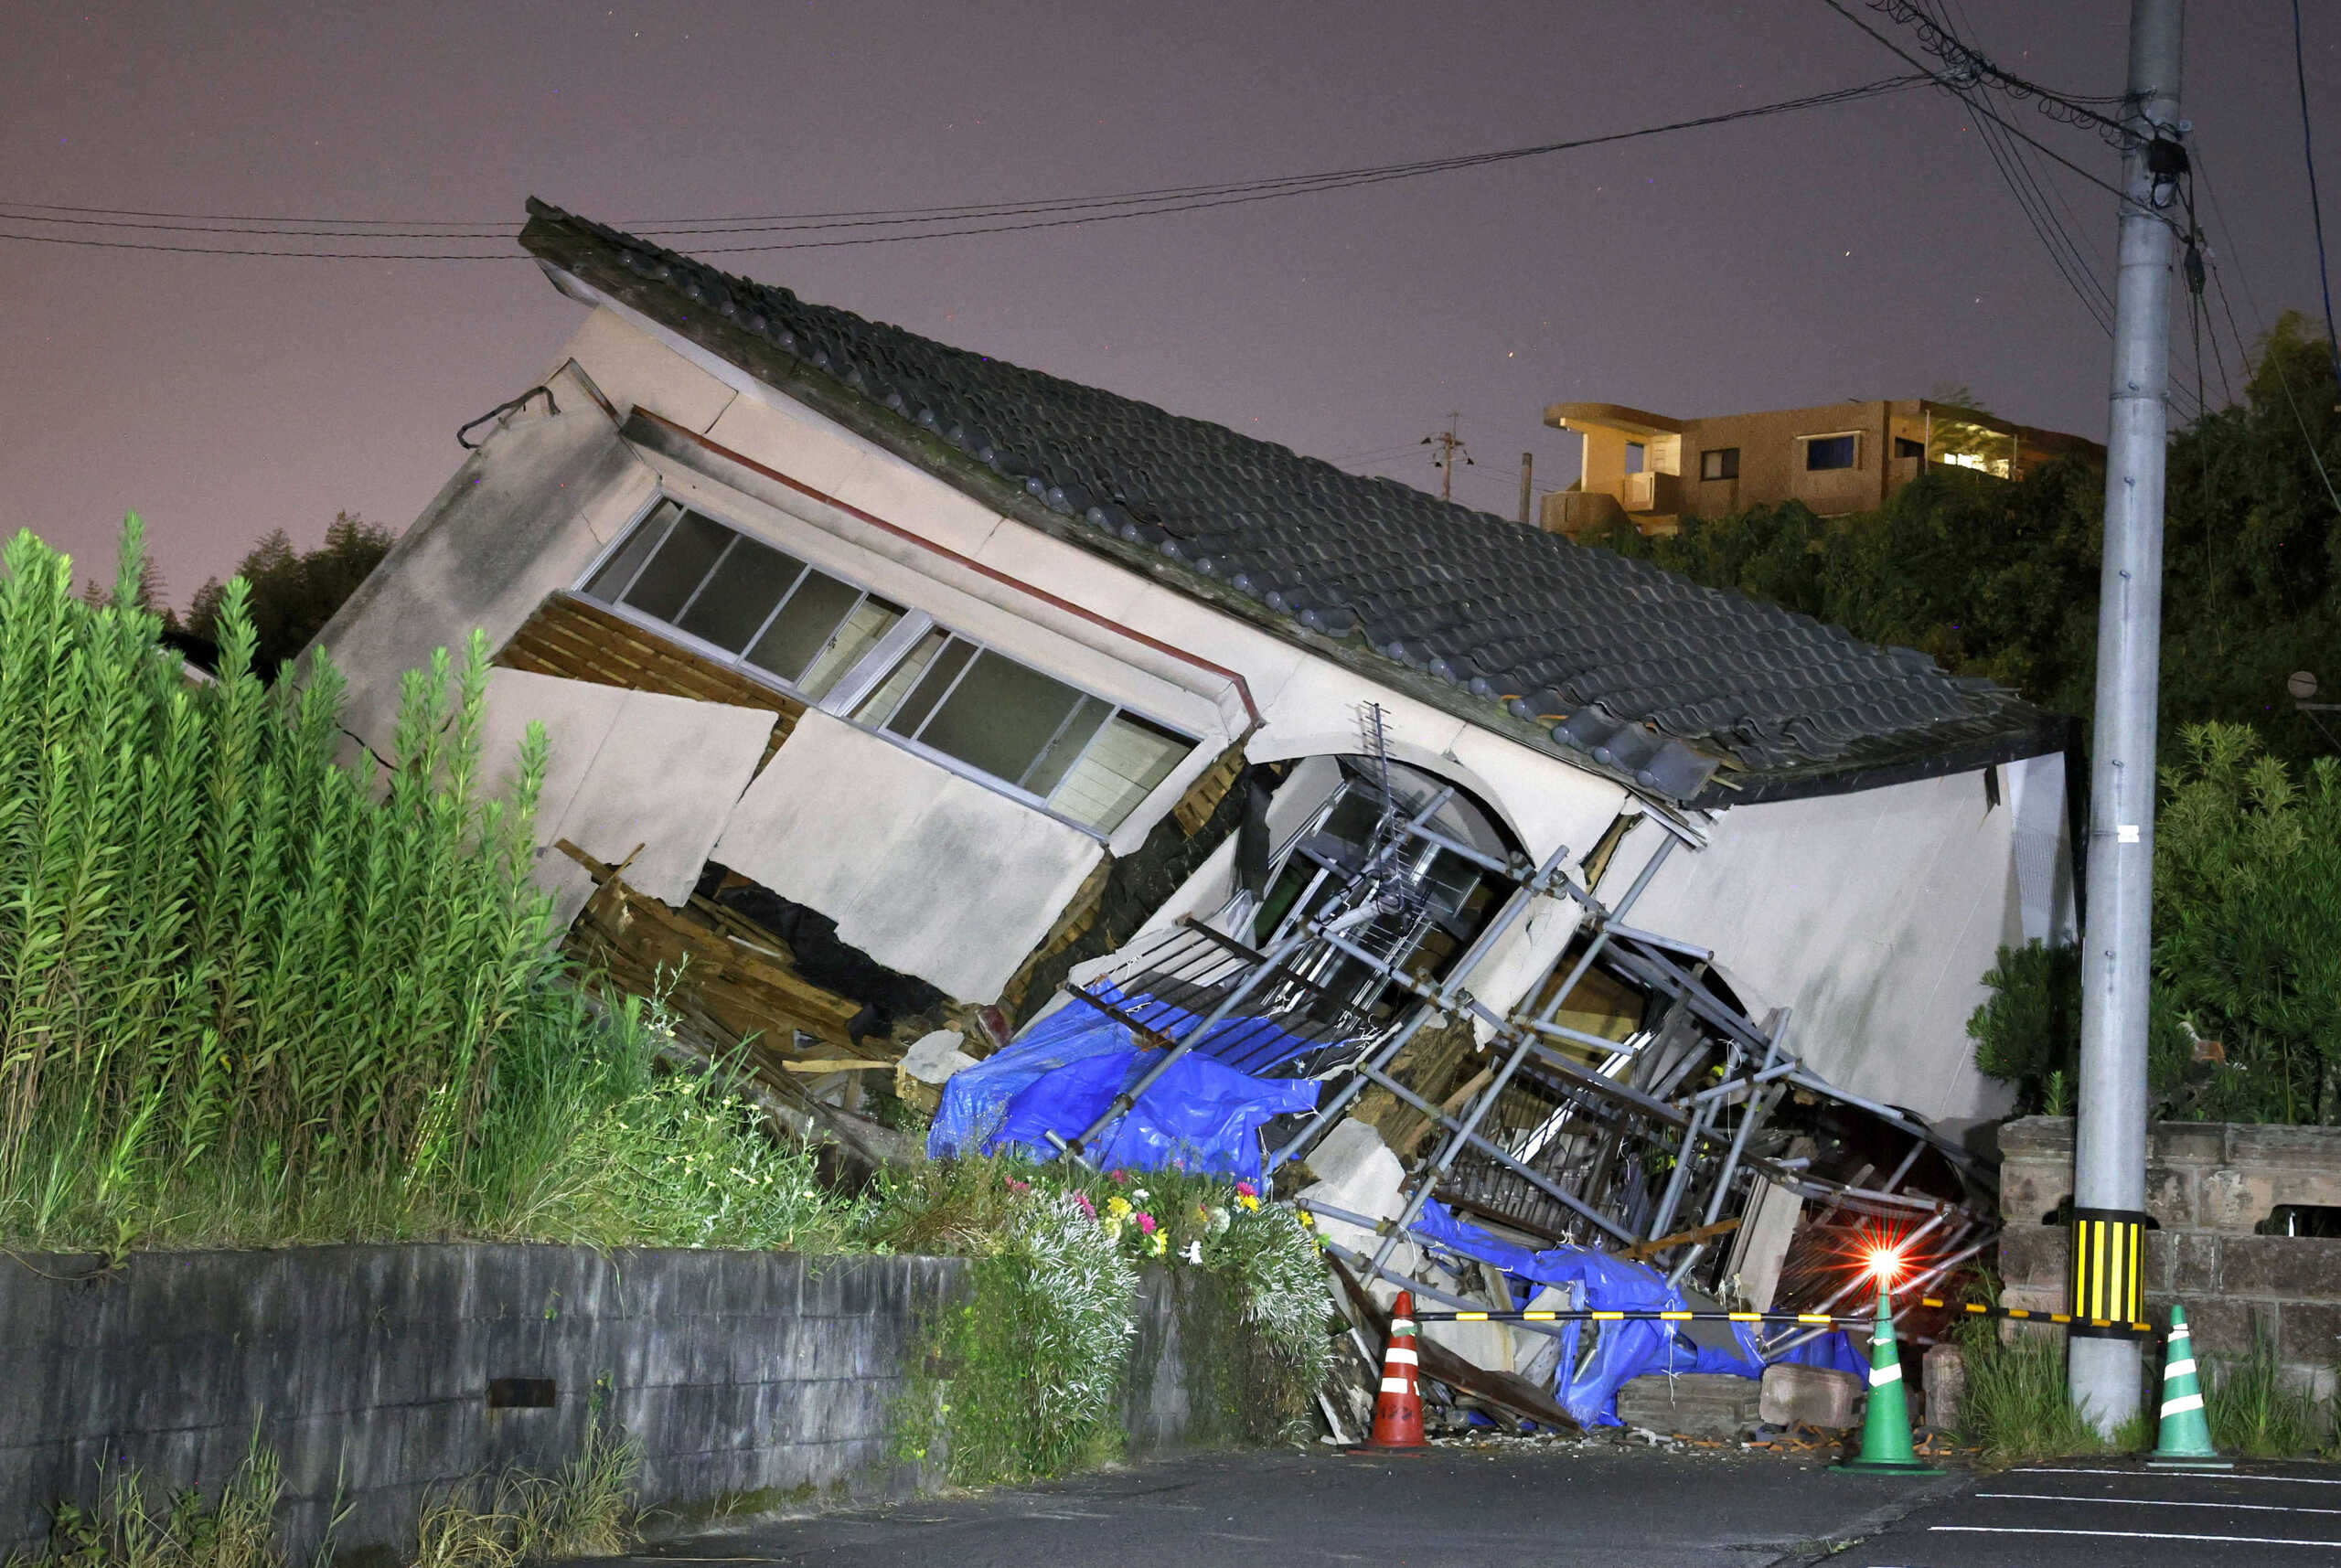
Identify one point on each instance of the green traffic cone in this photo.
(2184, 1442)
(1886, 1424)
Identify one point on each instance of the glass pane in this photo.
(619, 569)
(1120, 768)
(871, 619)
(879, 705)
(1829, 452)
(742, 592)
(1001, 717)
(942, 668)
(668, 582)
(1063, 751)
(804, 625)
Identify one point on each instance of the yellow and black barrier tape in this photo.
(1603, 1315)
(2061, 1319)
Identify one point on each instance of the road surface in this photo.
(1564, 1505)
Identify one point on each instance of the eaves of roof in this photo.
(1683, 693)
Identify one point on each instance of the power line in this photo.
(1974, 65)
(2202, 174)
(1941, 82)
(954, 222)
(2316, 210)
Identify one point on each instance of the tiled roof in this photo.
(1646, 674)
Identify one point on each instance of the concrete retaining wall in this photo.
(2209, 1187)
(767, 1376)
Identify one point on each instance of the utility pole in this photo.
(2110, 1112)
(1451, 446)
(1527, 479)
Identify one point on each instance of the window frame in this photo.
(1726, 465)
(1805, 442)
(870, 672)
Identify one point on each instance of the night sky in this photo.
(1860, 251)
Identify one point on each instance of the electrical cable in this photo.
(1084, 211)
(1939, 80)
(2315, 208)
(2201, 172)
(1937, 39)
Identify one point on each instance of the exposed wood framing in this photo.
(1203, 796)
(728, 979)
(579, 640)
(1080, 914)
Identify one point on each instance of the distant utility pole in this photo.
(1527, 478)
(1451, 447)
(2110, 1112)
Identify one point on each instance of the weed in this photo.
(124, 1530)
(2016, 1406)
(2254, 1413)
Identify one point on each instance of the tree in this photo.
(293, 594)
(1999, 578)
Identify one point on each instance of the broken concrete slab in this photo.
(1817, 1396)
(1692, 1404)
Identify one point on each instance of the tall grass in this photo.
(2016, 1406)
(249, 995)
(2255, 1413)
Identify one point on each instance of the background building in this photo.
(1653, 470)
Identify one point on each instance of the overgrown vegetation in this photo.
(249, 995)
(512, 1521)
(1028, 1376)
(2015, 1407)
(127, 1528)
(2245, 1022)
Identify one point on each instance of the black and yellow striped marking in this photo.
(2109, 1250)
(2110, 1326)
(1604, 1315)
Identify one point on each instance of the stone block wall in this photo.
(2208, 1187)
(757, 1377)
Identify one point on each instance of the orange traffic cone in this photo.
(1398, 1409)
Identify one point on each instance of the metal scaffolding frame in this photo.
(1563, 1135)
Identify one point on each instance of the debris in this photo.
(1810, 1396)
(1690, 1404)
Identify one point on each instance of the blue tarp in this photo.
(1063, 1073)
(1625, 1351)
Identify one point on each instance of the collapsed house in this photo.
(892, 688)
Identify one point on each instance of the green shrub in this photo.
(2247, 952)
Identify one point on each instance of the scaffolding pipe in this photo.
(1454, 1144)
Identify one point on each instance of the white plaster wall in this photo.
(613, 785)
(1306, 705)
(1874, 915)
(925, 872)
(521, 517)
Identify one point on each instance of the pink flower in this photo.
(1086, 1207)
(1016, 1186)
(1146, 1224)
(1246, 1189)
(1121, 1176)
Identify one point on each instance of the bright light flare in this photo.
(1885, 1254)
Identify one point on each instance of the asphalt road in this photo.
(2105, 1517)
(1498, 1503)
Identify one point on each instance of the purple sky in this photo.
(1855, 251)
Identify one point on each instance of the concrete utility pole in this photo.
(2110, 1112)
(1527, 478)
(1451, 447)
